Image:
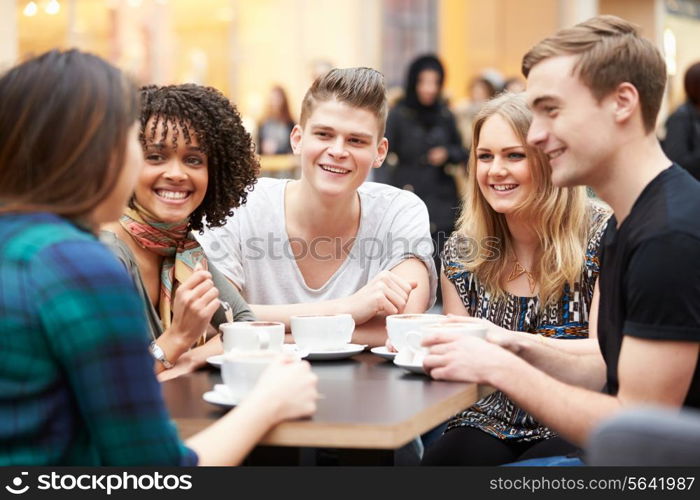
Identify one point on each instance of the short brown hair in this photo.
(358, 87)
(611, 52)
(64, 122)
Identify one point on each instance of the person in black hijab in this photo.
(423, 136)
(682, 142)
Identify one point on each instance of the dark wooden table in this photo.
(368, 403)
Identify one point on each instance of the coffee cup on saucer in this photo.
(398, 325)
(240, 370)
(325, 332)
(253, 336)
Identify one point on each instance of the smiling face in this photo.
(569, 124)
(502, 166)
(338, 145)
(174, 180)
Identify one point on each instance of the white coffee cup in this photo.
(240, 370)
(414, 339)
(253, 336)
(322, 332)
(398, 325)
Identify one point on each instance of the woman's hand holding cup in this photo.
(287, 388)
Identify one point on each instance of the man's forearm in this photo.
(586, 369)
(571, 411)
(573, 346)
(573, 361)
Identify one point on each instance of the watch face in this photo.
(159, 355)
(156, 350)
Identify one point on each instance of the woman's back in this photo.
(73, 336)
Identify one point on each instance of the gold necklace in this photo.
(519, 270)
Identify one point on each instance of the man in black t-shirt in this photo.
(650, 290)
(595, 91)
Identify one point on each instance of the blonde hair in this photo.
(610, 52)
(559, 216)
(358, 87)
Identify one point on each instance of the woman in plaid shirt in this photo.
(76, 379)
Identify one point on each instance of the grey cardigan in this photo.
(227, 292)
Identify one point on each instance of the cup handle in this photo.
(263, 340)
(351, 324)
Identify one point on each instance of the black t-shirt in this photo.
(650, 272)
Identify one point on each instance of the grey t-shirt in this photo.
(253, 250)
(227, 292)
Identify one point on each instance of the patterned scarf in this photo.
(180, 251)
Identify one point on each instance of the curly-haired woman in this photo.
(199, 166)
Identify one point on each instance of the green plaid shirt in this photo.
(76, 379)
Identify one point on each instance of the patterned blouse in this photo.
(568, 318)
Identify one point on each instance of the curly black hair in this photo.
(207, 114)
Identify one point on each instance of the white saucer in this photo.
(411, 367)
(286, 348)
(383, 352)
(215, 360)
(347, 351)
(220, 396)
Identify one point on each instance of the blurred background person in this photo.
(423, 136)
(276, 125)
(514, 85)
(480, 90)
(320, 67)
(495, 78)
(682, 142)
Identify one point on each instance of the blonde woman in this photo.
(524, 261)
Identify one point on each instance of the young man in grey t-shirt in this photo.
(328, 243)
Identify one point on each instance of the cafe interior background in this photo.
(245, 47)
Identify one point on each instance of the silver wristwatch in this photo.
(159, 355)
